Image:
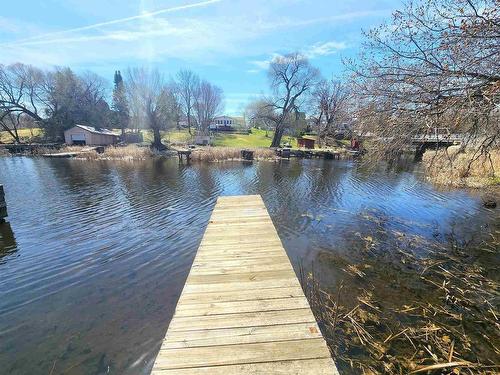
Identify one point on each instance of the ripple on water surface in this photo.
(95, 254)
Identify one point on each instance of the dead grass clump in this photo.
(264, 153)
(215, 154)
(129, 152)
(466, 168)
(73, 149)
(218, 154)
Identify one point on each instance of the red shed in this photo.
(305, 143)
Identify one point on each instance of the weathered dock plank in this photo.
(242, 310)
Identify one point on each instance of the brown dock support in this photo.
(3, 205)
(184, 154)
(246, 154)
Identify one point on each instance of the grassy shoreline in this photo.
(446, 167)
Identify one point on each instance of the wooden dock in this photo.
(72, 154)
(308, 153)
(242, 309)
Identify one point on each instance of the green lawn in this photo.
(171, 136)
(178, 136)
(25, 134)
(256, 139)
(253, 140)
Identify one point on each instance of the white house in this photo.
(222, 123)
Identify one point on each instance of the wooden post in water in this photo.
(246, 154)
(184, 153)
(3, 205)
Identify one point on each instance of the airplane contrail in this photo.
(121, 20)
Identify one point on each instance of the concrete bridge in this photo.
(433, 139)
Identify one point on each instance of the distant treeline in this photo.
(436, 63)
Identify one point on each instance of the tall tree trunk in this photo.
(278, 134)
(157, 140)
(206, 125)
(319, 135)
(189, 121)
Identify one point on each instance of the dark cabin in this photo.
(305, 143)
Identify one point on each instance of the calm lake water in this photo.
(94, 255)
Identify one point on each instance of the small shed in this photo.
(305, 143)
(89, 135)
(202, 140)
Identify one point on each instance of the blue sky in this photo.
(229, 42)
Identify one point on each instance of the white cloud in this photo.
(210, 35)
(263, 64)
(155, 27)
(142, 15)
(324, 49)
(316, 50)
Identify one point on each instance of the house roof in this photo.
(94, 130)
(308, 137)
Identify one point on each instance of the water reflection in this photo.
(102, 249)
(8, 245)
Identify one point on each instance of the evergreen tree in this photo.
(120, 103)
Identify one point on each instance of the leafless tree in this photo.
(329, 107)
(207, 104)
(187, 85)
(291, 77)
(152, 101)
(20, 95)
(260, 114)
(436, 64)
(70, 99)
(95, 109)
(55, 100)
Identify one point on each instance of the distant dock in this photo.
(308, 153)
(72, 154)
(242, 309)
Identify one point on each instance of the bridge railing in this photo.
(433, 138)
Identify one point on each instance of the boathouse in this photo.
(89, 135)
(305, 143)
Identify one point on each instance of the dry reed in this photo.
(469, 168)
(129, 152)
(219, 154)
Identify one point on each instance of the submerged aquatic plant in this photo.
(444, 319)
